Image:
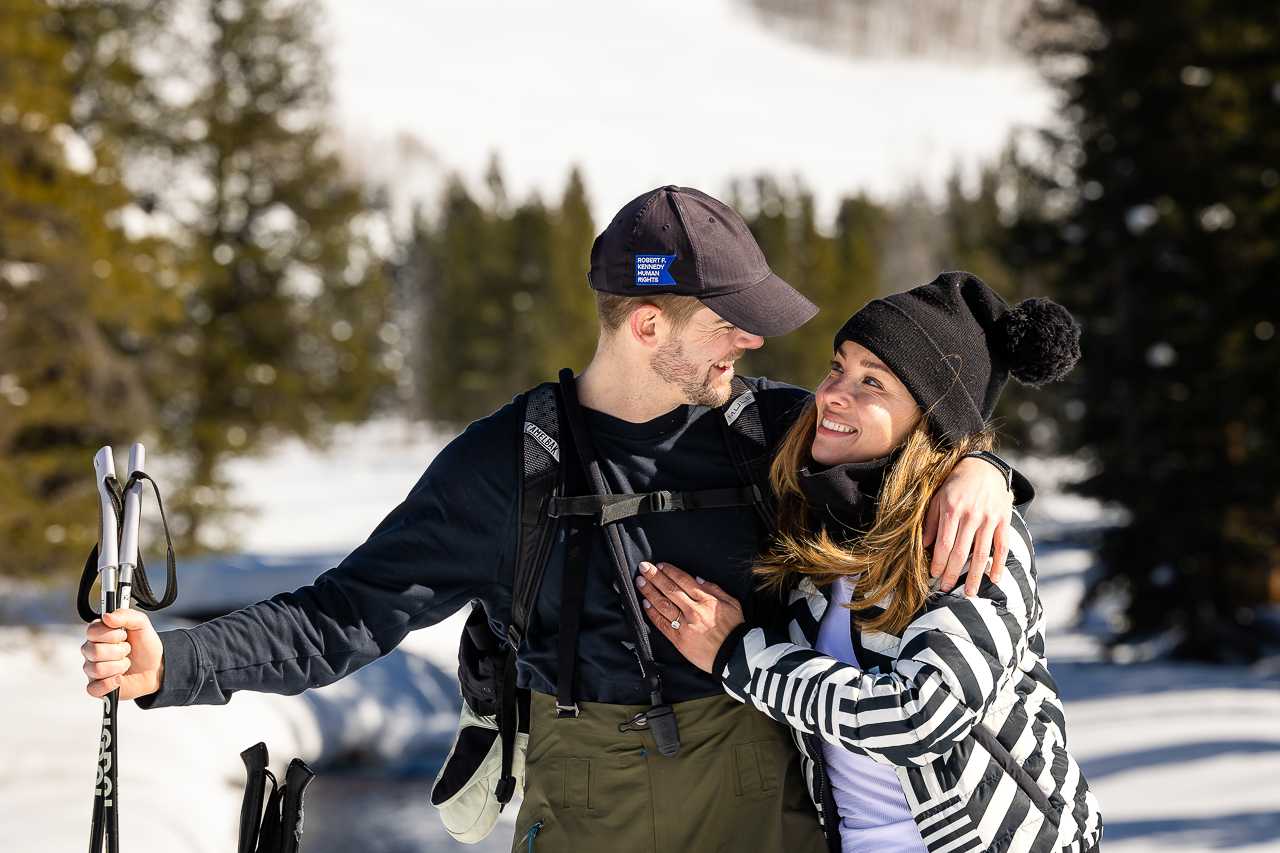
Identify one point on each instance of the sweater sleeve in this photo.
(951, 665)
(451, 541)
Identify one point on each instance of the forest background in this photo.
(191, 256)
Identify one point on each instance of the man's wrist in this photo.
(1005, 469)
(159, 682)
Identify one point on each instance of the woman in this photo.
(929, 721)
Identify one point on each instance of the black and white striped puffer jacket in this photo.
(962, 705)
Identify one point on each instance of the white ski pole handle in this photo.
(132, 519)
(104, 465)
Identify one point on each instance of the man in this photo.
(683, 291)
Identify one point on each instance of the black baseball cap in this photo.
(681, 240)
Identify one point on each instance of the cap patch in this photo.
(652, 269)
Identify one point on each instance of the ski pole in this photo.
(123, 580)
(105, 833)
(296, 780)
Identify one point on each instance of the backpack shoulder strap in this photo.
(750, 445)
(540, 479)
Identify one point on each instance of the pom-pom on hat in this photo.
(954, 343)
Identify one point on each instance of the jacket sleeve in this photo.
(951, 666)
(450, 541)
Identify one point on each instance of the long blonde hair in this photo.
(890, 560)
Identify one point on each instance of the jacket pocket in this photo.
(987, 740)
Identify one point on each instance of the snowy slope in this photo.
(1183, 758)
(641, 94)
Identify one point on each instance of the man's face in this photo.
(699, 358)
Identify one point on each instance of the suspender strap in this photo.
(572, 594)
(662, 722)
(610, 508)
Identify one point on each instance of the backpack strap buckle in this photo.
(566, 711)
(665, 501)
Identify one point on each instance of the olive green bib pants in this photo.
(735, 786)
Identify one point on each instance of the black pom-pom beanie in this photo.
(954, 343)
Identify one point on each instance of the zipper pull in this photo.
(533, 830)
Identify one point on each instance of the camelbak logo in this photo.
(731, 413)
(542, 438)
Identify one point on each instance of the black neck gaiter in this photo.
(842, 498)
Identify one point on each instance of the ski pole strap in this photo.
(667, 737)
(143, 594)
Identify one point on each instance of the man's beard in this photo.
(695, 382)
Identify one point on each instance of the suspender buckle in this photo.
(564, 711)
(666, 501)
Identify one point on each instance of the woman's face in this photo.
(864, 412)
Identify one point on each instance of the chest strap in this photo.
(610, 508)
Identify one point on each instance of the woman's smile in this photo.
(827, 423)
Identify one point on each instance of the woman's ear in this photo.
(644, 325)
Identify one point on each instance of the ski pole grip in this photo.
(132, 510)
(296, 780)
(104, 465)
(255, 760)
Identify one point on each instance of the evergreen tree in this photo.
(285, 293)
(505, 298)
(983, 238)
(79, 302)
(1158, 230)
(839, 273)
(470, 360)
(567, 304)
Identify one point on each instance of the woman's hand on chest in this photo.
(694, 614)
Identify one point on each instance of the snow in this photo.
(642, 94)
(308, 502)
(1183, 757)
